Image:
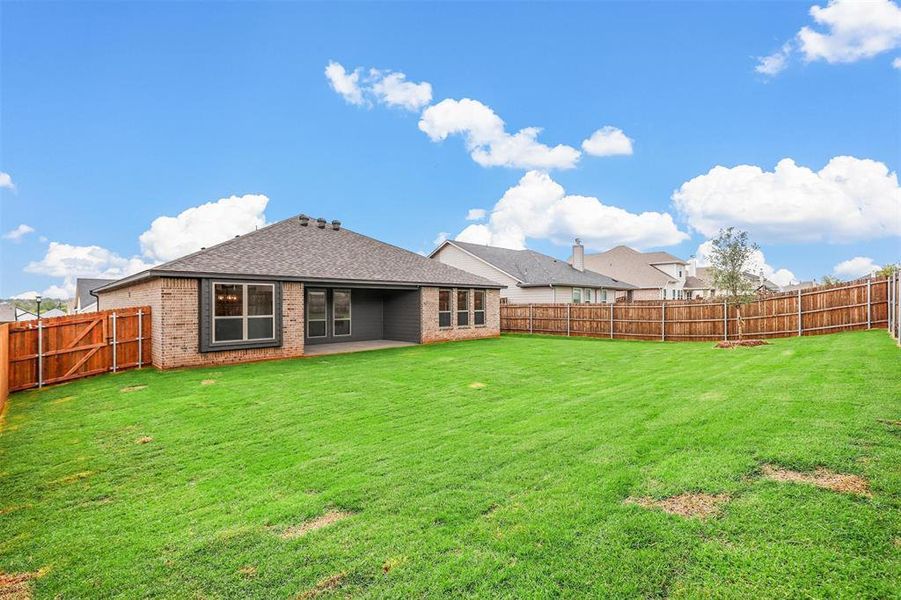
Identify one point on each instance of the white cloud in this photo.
(6, 181)
(538, 207)
(58, 292)
(849, 199)
(18, 233)
(757, 264)
(487, 140)
(776, 62)
(203, 226)
(855, 30)
(608, 141)
(856, 267)
(476, 214)
(440, 238)
(897, 63)
(71, 262)
(850, 30)
(344, 83)
(31, 295)
(394, 90)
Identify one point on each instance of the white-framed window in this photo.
(243, 312)
(602, 295)
(444, 308)
(577, 295)
(317, 313)
(478, 307)
(341, 313)
(588, 296)
(462, 308)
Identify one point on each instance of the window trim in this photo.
(575, 291)
(244, 314)
(484, 310)
(307, 318)
(349, 318)
(450, 308)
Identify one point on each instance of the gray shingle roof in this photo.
(293, 251)
(535, 269)
(706, 274)
(84, 287)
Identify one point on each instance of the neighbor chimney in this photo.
(320, 223)
(692, 268)
(578, 255)
(304, 220)
(336, 224)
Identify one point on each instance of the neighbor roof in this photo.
(84, 287)
(289, 250)
(628, 264)
(7, 312)
(534, 269)
(706, 274)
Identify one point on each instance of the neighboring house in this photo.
(532, 277)
(801, 285)
(7, 312)
(84, 302)
(758, 282)
(297, 283)
(655, 275)
(24, 315)
(53, 312)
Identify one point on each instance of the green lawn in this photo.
(514, 489)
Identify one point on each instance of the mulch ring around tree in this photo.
(741, 343)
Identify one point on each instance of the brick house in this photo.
(302, 284)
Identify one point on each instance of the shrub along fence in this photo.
(47, 351)
(862, 304)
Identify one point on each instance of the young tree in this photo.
(888, 270)
(730, 257)
(830, 280)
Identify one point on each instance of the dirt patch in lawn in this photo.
(824, 478)
(248, 571)
(323, 586)
(741, 343)
(63, 400)
(890, 422)
(144, 440)
(133, 388)
(208, 382)
(296, 531)
(477, 385)
(74, 477)
(685, 505)
(15, 586)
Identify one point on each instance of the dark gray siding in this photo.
(401, 316)
(365, 317)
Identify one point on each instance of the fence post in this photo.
(897, 306)
(869, 319)
(800, 316)
(888, 301)
(663, 321)
(567, 319)
(611, 318)
(140, 337)
(40, 353)
(530, 318)
(113, 323)
(725, 322)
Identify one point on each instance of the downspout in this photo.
(91, 292)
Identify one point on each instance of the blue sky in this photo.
(116, 114)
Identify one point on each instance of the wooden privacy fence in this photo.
(861, 304)
(46, 351)
(894, 306)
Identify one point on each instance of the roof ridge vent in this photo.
(304, 220)
(336, 224)
(320, 223)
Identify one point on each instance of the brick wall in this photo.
(176, 337)
(429, 314)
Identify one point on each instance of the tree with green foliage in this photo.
(730, 257)
(889, 269)
(830, 280)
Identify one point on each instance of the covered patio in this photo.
(345, 347)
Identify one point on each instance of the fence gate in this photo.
(47, 351)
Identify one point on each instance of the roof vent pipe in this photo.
(336, 224)
(578, 255)
(320, 223)
(304, 220)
